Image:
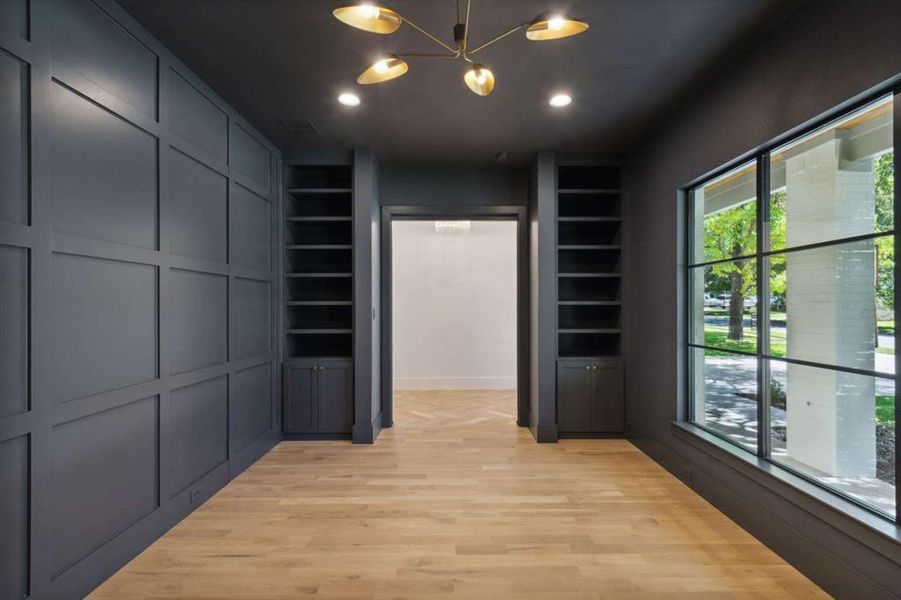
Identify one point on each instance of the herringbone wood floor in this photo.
(457, 502)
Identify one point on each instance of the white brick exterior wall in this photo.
(830, 312)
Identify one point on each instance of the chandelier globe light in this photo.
(478, 78)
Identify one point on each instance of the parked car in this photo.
(725, 300)
(710, 300)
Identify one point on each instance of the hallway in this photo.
(451, 505)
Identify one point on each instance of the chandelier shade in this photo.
(384, 70)
(480, 80)
(374, 19)
(553, 27)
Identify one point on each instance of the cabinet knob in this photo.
(588, 368)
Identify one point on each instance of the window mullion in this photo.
(896, 210)
(688, 314)
(763, 305)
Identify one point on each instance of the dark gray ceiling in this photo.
(289, 59)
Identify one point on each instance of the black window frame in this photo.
(760, 157)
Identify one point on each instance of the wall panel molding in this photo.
(116, 189)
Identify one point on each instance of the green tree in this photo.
(727, 234)
(777, 240)
(884, 183)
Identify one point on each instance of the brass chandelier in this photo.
(478, 78)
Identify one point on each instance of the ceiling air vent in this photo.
(299, 127)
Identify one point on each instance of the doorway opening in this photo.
(455, 315)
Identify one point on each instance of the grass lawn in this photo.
(716, 336)
(890, 351)
(886, 327)
(885, 409)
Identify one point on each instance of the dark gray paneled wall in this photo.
(418, 185)
(822, 55)
(137, 364)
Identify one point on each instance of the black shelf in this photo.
(307, 275)
(589, 247)
(588, 177)
(319, 289)
(319, 232)
(325, 218)
(322, 330)
(589, 261)
(588, 219)
(319, 261)
(319, 247)
(592, 191)
(319, 303)
(588, 344)
(338, 178)
(299, 345)
(308, 191)
(596, 318)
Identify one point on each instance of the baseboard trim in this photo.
(455, 383)
(546, 433)
(596, 435)
(315, 437)
(363, 433)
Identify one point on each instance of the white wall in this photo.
(454, 304)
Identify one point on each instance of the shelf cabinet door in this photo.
(574, 396)
(336, 395)
(301, 392)
(607, 396)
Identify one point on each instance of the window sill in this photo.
(878, 533)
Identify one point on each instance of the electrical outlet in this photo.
(195, 495)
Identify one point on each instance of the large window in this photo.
(791, 306)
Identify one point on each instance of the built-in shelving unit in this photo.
(318, 261)
(589, 260)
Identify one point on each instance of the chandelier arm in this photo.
(466, 25)
(499, 38)
(427, 55)
(426, 33)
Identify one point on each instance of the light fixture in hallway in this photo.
(381, 20)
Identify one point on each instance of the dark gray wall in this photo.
(137, 363)
(367, 295)
(822, 55)
(452, 185)
(543, 298)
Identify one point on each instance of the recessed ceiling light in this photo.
(560, 100)
(348, 99)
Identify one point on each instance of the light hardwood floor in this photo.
(457, 502)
